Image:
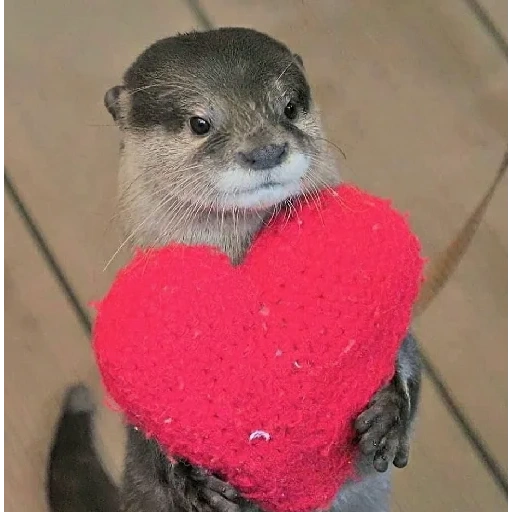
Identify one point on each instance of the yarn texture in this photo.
(257, 372)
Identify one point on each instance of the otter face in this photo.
(220, 119)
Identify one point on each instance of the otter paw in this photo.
(218, 495)
(383, 428)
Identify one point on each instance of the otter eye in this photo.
(291, 111)
(199, 125)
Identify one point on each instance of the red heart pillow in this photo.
(257, 372)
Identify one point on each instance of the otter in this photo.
(219, 131)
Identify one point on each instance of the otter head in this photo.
(216, 126)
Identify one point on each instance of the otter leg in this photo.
(153, 482)
(384, 428)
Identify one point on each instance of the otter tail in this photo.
(77, 481)
(444, 265)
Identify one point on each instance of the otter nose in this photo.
(264, 157)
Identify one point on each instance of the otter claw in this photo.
(383, 429)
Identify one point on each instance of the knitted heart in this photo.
(257, 372)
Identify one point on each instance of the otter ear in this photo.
(298, 59)
(111, 101)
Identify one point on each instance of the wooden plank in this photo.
(414, 93)
(497, 10)
(444, 472)
(61, 145)
(45, 351)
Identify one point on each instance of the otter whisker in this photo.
(223, 212)
(314, 195)
(287, 212)
(195, 193)
(334, 145)
(202, 193)
(126, 200)
(293, 208)
(133, 233)
(319, 183)
(289, 65)
(183, 207)
(275, 210)
(164, 201)
(149, 179)
(131, 92)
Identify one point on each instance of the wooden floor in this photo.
(414, 92)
